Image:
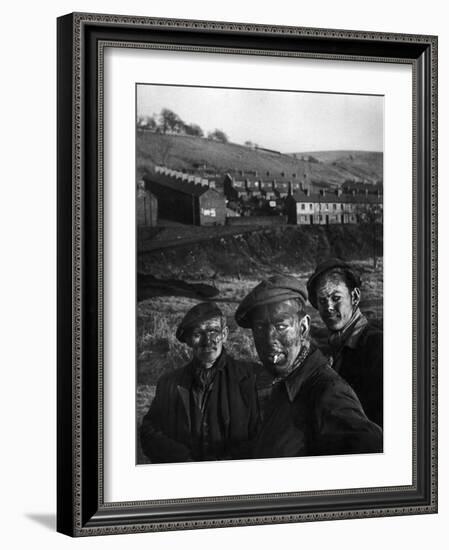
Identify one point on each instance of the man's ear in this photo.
(355, 295)
(225, 332)
(304, 326)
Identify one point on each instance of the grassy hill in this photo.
(362, 164)
(188, 152)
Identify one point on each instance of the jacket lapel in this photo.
(183, 389)
(184, 396)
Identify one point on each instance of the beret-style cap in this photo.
(198, 314)
(328, 265)
(270, 291)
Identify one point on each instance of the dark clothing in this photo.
(360, 362)
(315, 412)
(202, 419)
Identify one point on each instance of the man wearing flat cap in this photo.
(312, 410)
(355, 345)
(208, 409)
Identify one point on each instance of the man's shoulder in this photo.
(369, 344)
(373, 334)
(239, 367)
(174, 376)
(323, 376)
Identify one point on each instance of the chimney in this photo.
(339, 192)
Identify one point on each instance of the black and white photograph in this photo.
(259, 307)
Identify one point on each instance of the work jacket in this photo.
(170, 431)
(360, 362)
(315, 412)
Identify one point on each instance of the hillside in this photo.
(363, 164)
(189, 153)
(285, 248)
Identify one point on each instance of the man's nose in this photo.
(207, 339)
(271, 334)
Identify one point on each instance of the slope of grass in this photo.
(188, 152)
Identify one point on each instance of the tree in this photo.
(170, 122)
(146, 122)
(193, 130)
(218, 135)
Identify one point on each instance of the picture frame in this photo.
(81, 506)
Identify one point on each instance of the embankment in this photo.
(269, 250)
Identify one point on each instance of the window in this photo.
(209, 212)
(303, 206)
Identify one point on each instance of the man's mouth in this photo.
(332, 317)
(276, 357)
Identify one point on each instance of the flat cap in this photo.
(270, 291)
(198, 314)
(328, 265)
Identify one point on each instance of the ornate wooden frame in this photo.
(81, 507)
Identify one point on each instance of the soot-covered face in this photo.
(336, 302)
(206, 340)
(278, 331)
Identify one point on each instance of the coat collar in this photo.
(350, 335)
(187, 380)
(353, 339)
(295, 381)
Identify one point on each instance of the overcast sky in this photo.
(281, 120)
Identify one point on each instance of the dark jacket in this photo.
(315, 412)
(360, 363)
(229, 423)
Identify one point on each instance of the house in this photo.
(146, 206)
(235, 189)
(184, 200)
(333, 207)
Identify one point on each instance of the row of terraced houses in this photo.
(216, 199)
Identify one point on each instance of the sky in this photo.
(287, 121)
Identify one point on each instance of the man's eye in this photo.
(281, 326)
(336, 298)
